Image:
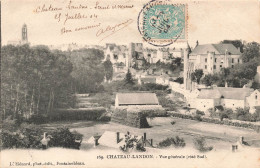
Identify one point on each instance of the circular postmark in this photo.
(162, 23)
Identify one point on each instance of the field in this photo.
(221, 137)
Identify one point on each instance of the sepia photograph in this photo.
(130, 83)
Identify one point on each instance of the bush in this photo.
(201, 145)
(38, 119)
(177, 142)
(201, 113)
(173, 122)
(24, 136)
(77, 114)
(165, 143)
(30, 136)
(62, 137)
(131, 143)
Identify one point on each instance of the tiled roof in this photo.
(217, 48)
(226, 93)
(209, 94)
(137, 98)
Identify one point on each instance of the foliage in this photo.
(201, 113)
(128, 78)
(30, 136)
(165, 101)
(23, 136)
(173, 122)
(108, 69)
(197, 75)
(240, 74)
(211, 79)
(176, 142)
(62, 137)
(244, 115)
(201, 145)
(131, 143)
(35, 80)
(179, 80)
(104, 99)
(224, 121)
(88, 70)
(226, 113)
(152, 86)
(92, 114)
(177, 61)
(251, 51)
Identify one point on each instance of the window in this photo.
(232, 66)
(214, 66)
(255, 96)
(206, 59)
(220, 66)
(205, 66)
(215, 59)
(232, 60)
(238, 60)
(115, 56)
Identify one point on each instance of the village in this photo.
(147, 99)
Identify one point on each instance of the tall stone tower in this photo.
(186, 69)
(24, 34)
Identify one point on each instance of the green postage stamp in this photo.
(162, 23)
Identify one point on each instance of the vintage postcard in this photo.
(130, 83)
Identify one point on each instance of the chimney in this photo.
(96, 138)
(197, 43)
(96, 142)
(117, 137)
(144, 136)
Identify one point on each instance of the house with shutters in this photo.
(211, 58)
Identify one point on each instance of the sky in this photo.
(208, 21)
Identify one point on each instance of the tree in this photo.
(128, 78)
(251, 51)
(88, 70)
(35, 81)
(196, 75)
(177, 61)
(108, 68)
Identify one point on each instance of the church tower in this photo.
(24, 34)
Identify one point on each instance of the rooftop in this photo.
(219, 49)
(225, 92)
(137, 98)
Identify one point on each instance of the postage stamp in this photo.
(162, 23)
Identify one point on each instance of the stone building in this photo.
(211, 58)
(117, 54)
(223, 96)
(24, 37)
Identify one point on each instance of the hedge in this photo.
(77, 114)
(218, 121)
